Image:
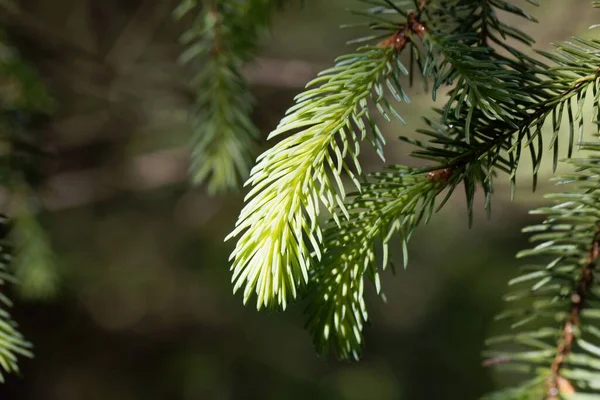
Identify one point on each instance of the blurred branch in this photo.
(157, 169)
(97, 75)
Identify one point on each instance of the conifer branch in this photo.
(582, 291)
(12, 343)
(468, 161)
(20, 170)
(225, 34)
(459, 162)
(35, 266)
(271, 256)
(292, 178)
(278, 228)
(396, 202)
(556, 307)
(390, 203)
(22, 97)
(553, 92)
(497, 107)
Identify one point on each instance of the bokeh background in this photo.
(145, 309)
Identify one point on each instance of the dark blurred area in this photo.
(145, 309)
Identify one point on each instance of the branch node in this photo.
(401, 37)
(440, 175)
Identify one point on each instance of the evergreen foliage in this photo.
(303, 232)
(35, 264)
(278, 245)
(25, 251)
(224, 34)
(25, 105)
(12, 343)
(291, 178)
(554, 336)
(500, 100)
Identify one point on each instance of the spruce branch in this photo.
(24, 103)
(481, 17)
(553, 93)
(391, 202)
(35, 264)
(12, 343)
(278, 231)
(272, 256)
(498, 105)
(33, 261)
(481, 83)
(460, 160)
(224, 35)
(496, 145)
(396, 202)
(278, 227)
(554, 311)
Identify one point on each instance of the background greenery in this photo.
(145, 309)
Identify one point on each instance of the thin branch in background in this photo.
(222, 37)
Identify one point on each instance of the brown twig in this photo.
(401, 37)
(217, 47)
(441, 175)
(558, 385)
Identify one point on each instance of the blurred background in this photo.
(145, 309)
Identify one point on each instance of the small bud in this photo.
(440, 175)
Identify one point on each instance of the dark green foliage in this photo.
(393, 202)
